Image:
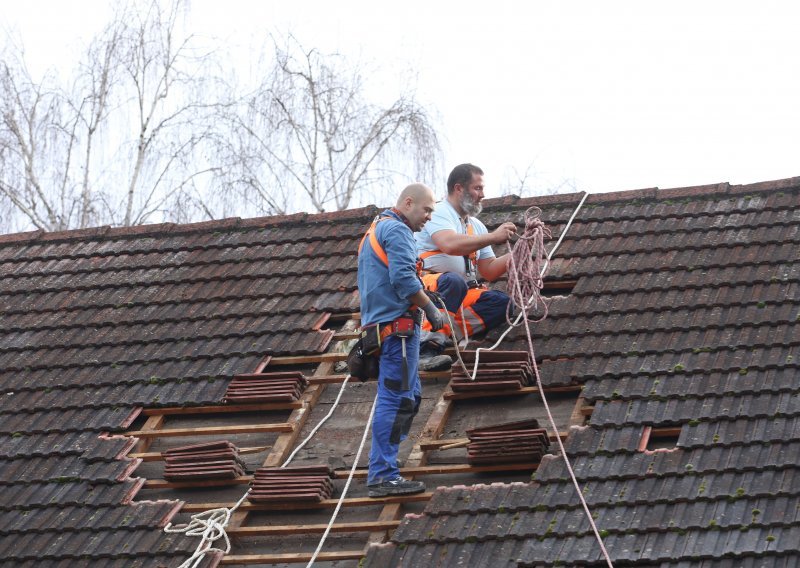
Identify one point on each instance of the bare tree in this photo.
(308, 129)
(136, 118)
(530, 183)
(35, 147)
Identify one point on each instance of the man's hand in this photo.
(434, 316)
(503, 233)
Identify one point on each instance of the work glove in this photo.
(435, 317)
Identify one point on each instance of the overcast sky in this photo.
(604, 96)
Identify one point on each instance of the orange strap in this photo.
(373, 241)
(473, 256)
(378, 249)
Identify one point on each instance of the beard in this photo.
(469, 205)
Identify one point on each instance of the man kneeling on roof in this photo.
(455, 248)
(392, 302)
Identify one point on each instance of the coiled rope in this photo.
(544, 266)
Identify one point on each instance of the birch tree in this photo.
(310, 130)
(120, 144)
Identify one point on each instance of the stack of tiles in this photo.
(211, 460)
(302, 483)
(266, 387)
(512, 442)
(497, 370)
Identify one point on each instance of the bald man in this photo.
(392, 297)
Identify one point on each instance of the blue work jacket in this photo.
(385, 291)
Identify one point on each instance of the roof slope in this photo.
(685, 316)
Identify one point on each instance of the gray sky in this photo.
(605, 95)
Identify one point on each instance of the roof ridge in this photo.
(158, 229)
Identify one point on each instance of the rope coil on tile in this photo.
(538, 270)
(210, 525)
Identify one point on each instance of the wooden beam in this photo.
(292, 558)
(157, 456)
(298, 505)
(212, 430)
(577, 418)
(304, 359)
(221, 408)
(409, 472)
(277, 530)
(450, 395)
(346, 335)
(152, 424)
(447, 443)
(164, 484)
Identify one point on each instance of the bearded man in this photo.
(456, 249)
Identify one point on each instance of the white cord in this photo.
(346, 485)
(321, 422)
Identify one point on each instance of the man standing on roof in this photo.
(392, 297)
(456, 249)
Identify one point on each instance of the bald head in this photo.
(415, 191)
(416, 202)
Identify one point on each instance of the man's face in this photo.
(472, 195)
(420, 211)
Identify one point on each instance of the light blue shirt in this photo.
(445, 217)
(385, 290)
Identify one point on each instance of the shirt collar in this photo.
(399, 216)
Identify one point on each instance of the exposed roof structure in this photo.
(676, 330)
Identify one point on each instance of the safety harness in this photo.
(470, 260)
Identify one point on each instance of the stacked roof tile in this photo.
(266, 387)
(497, 370)
(683, 316)
(521, 441)
(298, 483)
(209, 460)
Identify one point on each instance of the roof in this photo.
(680, 323)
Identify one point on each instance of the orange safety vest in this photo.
(472, 257)
(378, 249)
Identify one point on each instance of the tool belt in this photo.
(362, 361)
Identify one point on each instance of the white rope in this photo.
(210, 525)
(321, 422)
(346, 485)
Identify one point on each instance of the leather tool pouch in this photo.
(362, 361)
(361, 366)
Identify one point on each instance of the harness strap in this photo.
(378, 249)
(473, 256)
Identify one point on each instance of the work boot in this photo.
(396, 486)
(432, 359)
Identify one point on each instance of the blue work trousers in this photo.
(395, 409)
